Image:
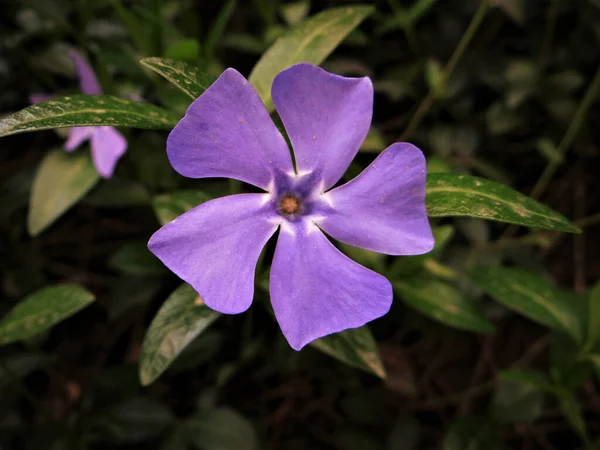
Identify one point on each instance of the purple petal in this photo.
(77, 136)
(383, 209)
(108, 145)
(37, 98)
(227, 132)
(316, 290)
(326, 116)
(88, 83)
(215, 247)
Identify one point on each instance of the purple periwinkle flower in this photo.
(108, 145)
(315, 289)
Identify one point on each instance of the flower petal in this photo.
(316, 290)
(77, 136)
(108, 145)
(227, 132)
(326, 116)
(383, 208)
(88, 83)
(215, 247)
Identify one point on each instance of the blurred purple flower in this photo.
(108, 145)
(315, 289)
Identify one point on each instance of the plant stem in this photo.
(423, 108)
(569, 136)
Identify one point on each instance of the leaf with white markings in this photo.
(463, 195)
(182, 317)
(355, 347)
(61, 180)
(186, 77)
(529, 294)
(444, 303)
(311, 41)
(88, 110)
(41, 310)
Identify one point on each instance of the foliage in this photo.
(490, 334)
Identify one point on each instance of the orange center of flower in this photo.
(289, 205)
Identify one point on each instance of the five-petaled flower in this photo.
(315, 289)
(108, 145)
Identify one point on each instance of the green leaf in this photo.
(137, 419)
(443, 303)
(311, 41)
(355, 347)
(134, 258)
(170, 206)
(595, 360)
(527, 377)
(41, 310)
(184, 50)
(572, 411)
(529, 294)
(16, 367)
(217, 29)
(471, 433)
(515, 402)
(593, 325)
(61, 181)
(221, 429)
(294, 12)
(182, 317)
(88, 110)
(185, 76)
(463, 195)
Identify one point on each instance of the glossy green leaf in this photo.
(443, 303)
(134, 258)
(186, 77)
(88, 110)
(463, 195)
(41, 310)
(61, 181)
(355, 347)
(311, 41)
(182, 317)
(170, 206)
(593, 325)
(531, 295)
(221, 429)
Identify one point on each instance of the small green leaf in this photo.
(88, 110)
(221, 429)
(311, 41)
(593, 325)
(572, 411)
(463, 195)
(134, 258)
(61, 180)
(355, 347)
(471, 433)
(294, 12)
(515, 402)
(182, 317)
(185, 76)
(41, 310)
(529, 294)
(16, 367)
(183, 50)
(444, 303)
(170, 206)
(136, 420)
(527, 377)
